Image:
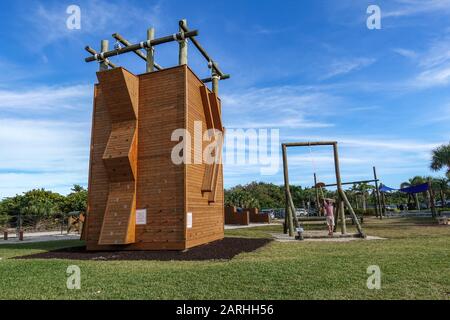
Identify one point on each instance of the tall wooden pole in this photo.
(182, 57)
(215, 82)
(317, 195)
(377, 193)
(375, 203)
(103, 48)
(339, 187)
(342, 193)
(294, 215)
(342, 216)
(288, 212)
(150, 51)
(432, 199)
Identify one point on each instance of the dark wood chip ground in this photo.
(224, 249)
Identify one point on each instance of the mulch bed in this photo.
(224, 249)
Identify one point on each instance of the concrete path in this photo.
(39, 237)
(315, 236)
(251, 225)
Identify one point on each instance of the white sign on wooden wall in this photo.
(141, 216)
(189, 220)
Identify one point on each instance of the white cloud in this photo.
(45, 98)
(97, 16)
(42, 153)
(410, 54)
(279, 107)
(404, 8)
(342, 67)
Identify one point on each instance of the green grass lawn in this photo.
(414, 260)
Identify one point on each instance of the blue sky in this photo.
(310, 68)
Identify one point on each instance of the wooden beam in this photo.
(150, 58)
(350, 182)
(215, 83)
(206, 107)
(215, 111)
(143, 45)
(104, 48)
(210, 79)
(182, 44)
(377, 194)
(307, 144)
(342, 195)
(201, 50)
(93, 52)
(288, 211)
(139, 53)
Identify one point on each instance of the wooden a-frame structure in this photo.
(290, 217)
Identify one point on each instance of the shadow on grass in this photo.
(43, 245)
(224, 249)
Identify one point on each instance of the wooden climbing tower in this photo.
(139, 198)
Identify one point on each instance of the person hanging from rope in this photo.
(328, 205)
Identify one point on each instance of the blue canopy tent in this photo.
(413, 189)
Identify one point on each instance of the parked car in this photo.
(439, 204)
(301, 212)
(270, 212)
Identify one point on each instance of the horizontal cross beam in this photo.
(307, 144)
(225, 76)
(351, 182)
(139, 53)
(93, 52)
(203, 52)
(142, 45)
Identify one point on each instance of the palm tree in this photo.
(413, 182)
(441, 184)
(363, 190)
(441, 159)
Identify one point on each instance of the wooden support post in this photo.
(377, 194)
(377, 214)
(383, 199)
(215, 83)
(5, 235)
(294, 215)
(432, 199)
(182, 57)
(339, 187)
(317, 195)
(104, 48)
(336, 214)
(288, 212)
(341, 191)
(150, 51)
(342, 216)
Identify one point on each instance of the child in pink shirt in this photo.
(329, 213)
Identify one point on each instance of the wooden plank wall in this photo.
(256, 216)
(237, 218)
(98, 174)
(207, 217)
(168, 100)
(120, 95)
(161, 182)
